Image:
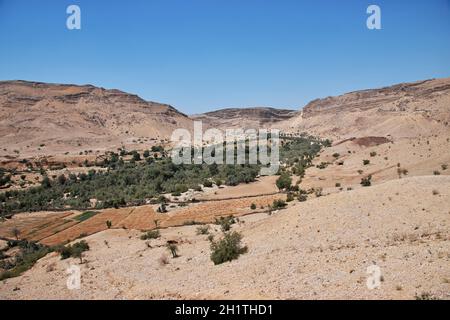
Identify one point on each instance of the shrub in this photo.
(108, 224)
(207, 184)
(74, 251)
(444, 167)
(16, 232)
(278, 204)
(322, 165)
(302, 197)
(425, 296)
(318, 192)
(227, 249)
(136, 156)
(436, 172)
(202, 230)
(373, 154)
(366, 162)
(172, 248)
(290, 197)
(367, 181)
(253, 206)
(162, 208)
(336, 155)
(337, 185)
(225, 222)
(152, 234)
(46, 182)
(284, 181)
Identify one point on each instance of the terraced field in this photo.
(52, 228)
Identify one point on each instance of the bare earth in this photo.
(317, 249)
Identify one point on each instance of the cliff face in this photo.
(246, 118)
(68, 116)
(402, 110)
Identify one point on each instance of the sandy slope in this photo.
(316, 249)
(403, 110)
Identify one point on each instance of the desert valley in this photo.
(86, 180)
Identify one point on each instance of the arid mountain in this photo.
(59, 118)
(246, 118)
(402, 110)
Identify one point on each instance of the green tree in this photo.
(284, 181)
(228, 248)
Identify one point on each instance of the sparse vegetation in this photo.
(172, 248)
(425, 296)
(26, 256)
(284, 181)
(228, 248)
(367, 181)
(85, 215)
(201, 230)
(225, 222)
(134, 182)
(152, 234)
(75, 251)
(278, 204)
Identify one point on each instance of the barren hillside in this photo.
(403, 110)
(41, 118)
(319, 249)
(246, 118)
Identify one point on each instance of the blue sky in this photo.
(200, 55)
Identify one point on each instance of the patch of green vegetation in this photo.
(228, 248)
(367, 181)
(152, 234)
(225, 222)
(29, 253)
(75, 251)
(134, 182)
(278, 204)
(85, 215)
(284, 181)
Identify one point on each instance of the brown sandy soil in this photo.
(402, 111)
(263, 186)
(56, 228)
(419, 156)
(317, 249)
(29, 224)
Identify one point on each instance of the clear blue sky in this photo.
(200, 55)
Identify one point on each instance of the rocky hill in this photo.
(402, 110)
(39, 117)
(246, 118)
